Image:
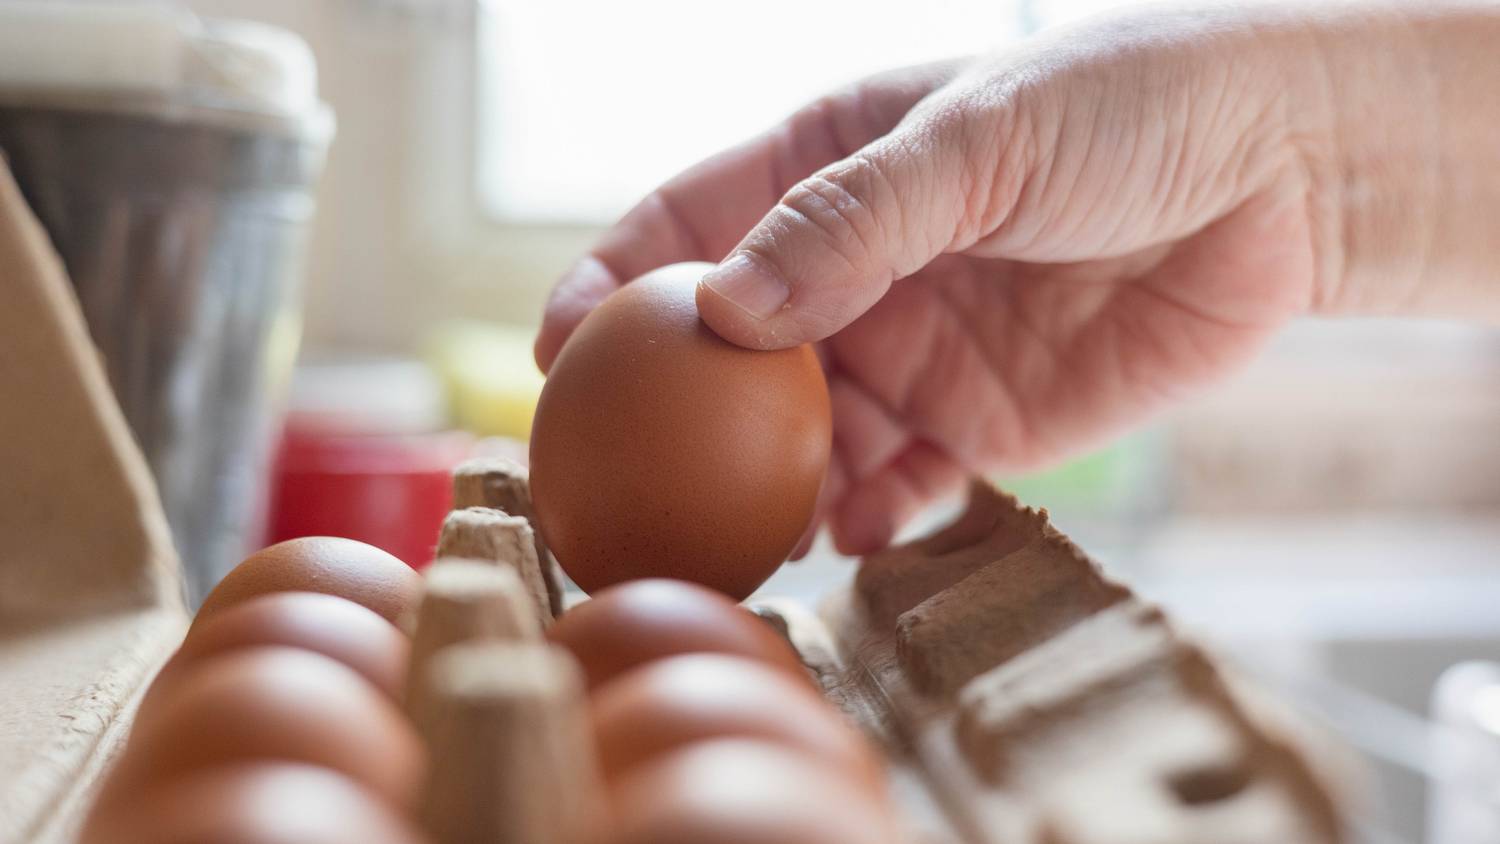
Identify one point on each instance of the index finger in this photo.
(703, 213)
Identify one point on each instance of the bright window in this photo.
(586, 105)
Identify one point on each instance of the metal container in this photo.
(172, 162)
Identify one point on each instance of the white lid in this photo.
(368, 395)
(155, 51)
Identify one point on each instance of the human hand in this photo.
(1085, 229)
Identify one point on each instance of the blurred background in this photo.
(1330, 519)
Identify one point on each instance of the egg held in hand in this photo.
(660, 449)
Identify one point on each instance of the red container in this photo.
(390, 490)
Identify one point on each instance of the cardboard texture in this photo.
(89, 588)
(465, 601)
(1022, 695)
(505, 485)
(511, 754)
(483, 533)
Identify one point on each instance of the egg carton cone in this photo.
(502, 713)
(505, 485)
(511, 755)
(484, 533)
(465, 601)
(90, 590)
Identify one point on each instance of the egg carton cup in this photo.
(1019, 694)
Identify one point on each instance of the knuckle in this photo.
(846, 205)
(994, 130)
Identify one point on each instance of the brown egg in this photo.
(325, 624)
(274, 703)
(665, 705)
(661, 450)
(634, 623)
(744, 792)
(352, 570)
(253, 803)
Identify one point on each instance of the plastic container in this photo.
(172, 163)
(366, 455)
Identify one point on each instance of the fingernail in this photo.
(748, 285)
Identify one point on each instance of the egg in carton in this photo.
(1019, 693)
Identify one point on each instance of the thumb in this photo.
(834, 243)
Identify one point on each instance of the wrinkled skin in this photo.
(1007, 259)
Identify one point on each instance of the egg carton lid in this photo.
(158, 58)
(90, 587)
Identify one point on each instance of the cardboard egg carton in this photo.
(90, 600)
(1022, 695)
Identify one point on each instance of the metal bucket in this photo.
(181, 214)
